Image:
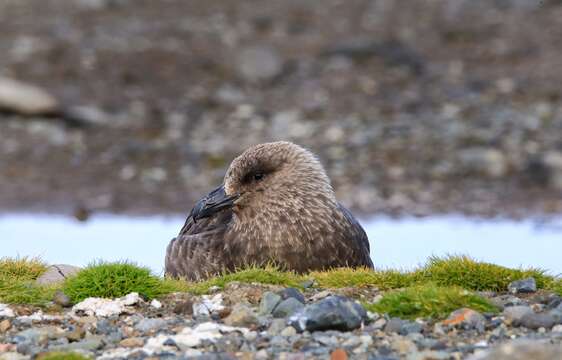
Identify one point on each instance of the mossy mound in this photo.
(112, 280)
(468, 273)
(429, 300)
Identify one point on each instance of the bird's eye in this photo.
(258, 176)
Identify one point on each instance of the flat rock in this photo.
(106, 307)
(26, 99)
(57, 273)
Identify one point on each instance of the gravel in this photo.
(333, 326)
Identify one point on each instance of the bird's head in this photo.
(270, 178)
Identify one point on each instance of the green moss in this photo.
(429, 300)
(268, 275)
(362, 277)
(467, 273)
(111, 280)
(61, 356)
(23, 268)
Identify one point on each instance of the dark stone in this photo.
(287, 308)
(331, 313)
(528, 285)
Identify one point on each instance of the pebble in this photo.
(241, 315)
(466, 318)
(5, 311)
(132, 342)
(527, 285)
(26, 99)
(156, 304)
(288, 331)
(5, 325)
(287, 307)
(333, 312)
(76, 334)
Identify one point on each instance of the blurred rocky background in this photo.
(414, 107)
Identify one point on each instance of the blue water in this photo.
(398, 243)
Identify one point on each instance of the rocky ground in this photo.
(413, 107)
(262, 322)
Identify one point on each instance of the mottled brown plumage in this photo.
(276, 206)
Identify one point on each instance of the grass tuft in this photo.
(111, 280)
(21, 268)
(17, 281)
(470, 274)
(429, 300)
(268, 275)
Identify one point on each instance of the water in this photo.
(398, 243)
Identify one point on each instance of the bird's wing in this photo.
(198, 250)
(359, 238)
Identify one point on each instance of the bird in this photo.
(276, 206)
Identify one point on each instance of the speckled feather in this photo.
(290, 218)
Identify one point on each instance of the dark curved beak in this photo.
(214, 202)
